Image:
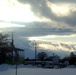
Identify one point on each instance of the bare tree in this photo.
(42, 55)
(3, 43)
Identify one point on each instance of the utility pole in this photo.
(16, 53)
(35, 51)
(12, 39)
(35, 46)
(12, 44)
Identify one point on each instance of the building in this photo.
(8, 50)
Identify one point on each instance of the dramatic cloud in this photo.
(46, 21)
(60, 11)
(63, 1)
(59, 16)
(8, 25)
(12, 10)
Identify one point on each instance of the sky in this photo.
(50, 23)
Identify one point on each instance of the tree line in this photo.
(6, 53)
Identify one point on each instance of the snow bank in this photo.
(71, 66)
(32, 70)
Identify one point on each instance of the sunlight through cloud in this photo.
(60, 9)
(8, 25)
(16, 12)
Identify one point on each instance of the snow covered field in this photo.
(32, 70)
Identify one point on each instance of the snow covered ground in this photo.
(33, 70)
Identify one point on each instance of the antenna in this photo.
(12, 38)
(12, 43)
(35, 46)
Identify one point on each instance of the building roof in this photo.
(10, 49)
